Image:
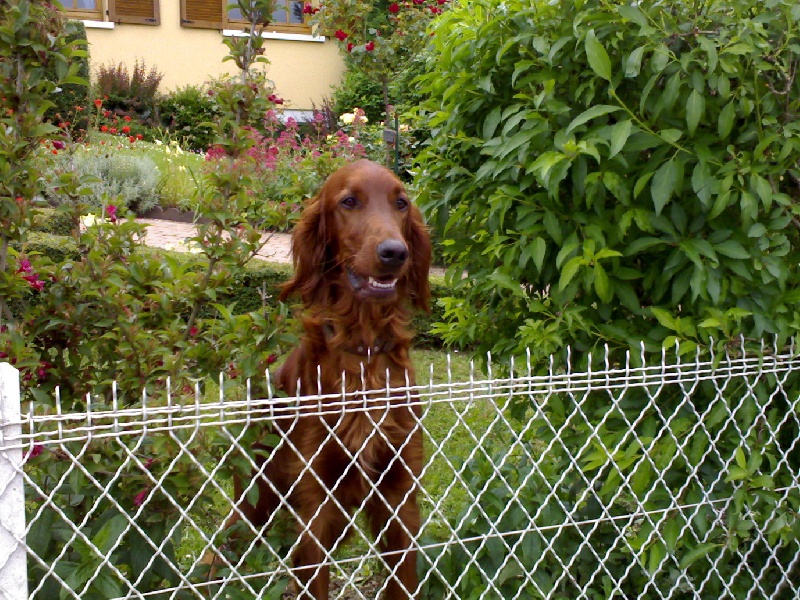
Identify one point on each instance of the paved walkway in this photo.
(171, 235)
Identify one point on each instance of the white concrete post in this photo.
(13, 569)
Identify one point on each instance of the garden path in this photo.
(171, 235)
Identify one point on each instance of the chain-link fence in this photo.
(663, 478)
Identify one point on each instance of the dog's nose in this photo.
(392, 253)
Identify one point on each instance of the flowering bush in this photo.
(286, 166)
(113, 312)
(377, 37)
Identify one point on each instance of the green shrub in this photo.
(637, 163)
(48, 220)
(609, 174)
(186, 113)
(132, 93)
(358, 90)
(114, 175)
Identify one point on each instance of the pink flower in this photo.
(139, 498)
(34, 282)
(340, 35)
(111, 211)
(24, 266)
(58, 144)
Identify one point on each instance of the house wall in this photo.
(303, 70)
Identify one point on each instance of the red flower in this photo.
(193, 330)
(308, 9)
(106, 113)
(131, 139)
(350, 46)
(113, 130)
(394, 8)
(98, 103)
(104, 128)
(139, 136)
(340, 35)
(271, 359)
(127, 117)
(126, 129)
(35, 451)
(370, 46)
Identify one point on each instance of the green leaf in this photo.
(601, 284)
(732, 249)
(632, 13)
(491, 122)
(696, 554)
(725, 120)
(619, 135)
(569, 271)
(633, 62)
(695, 107)
(592, 113)
(540, 248)
(663, 185)
(597, 56)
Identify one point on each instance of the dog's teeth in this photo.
(386, 286)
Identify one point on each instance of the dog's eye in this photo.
(402, 203)
(349, 202)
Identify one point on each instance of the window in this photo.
(212, 14)
(142, 12)
(82, 9)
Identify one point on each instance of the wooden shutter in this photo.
(206, 14)
(142, 12)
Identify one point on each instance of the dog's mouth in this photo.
(382, 285)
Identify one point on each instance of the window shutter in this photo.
(206, 14)
(142, 12)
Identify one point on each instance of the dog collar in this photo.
(360, 348)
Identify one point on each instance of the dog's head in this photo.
(361, 234)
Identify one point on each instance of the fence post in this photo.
(13, 569)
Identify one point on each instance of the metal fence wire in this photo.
(663, 477)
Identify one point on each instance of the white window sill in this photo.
(98, 24)
(277, 35)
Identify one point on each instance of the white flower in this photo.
(88, 220)
(347, 118)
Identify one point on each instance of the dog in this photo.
(361, 256)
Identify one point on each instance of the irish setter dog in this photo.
(361, 257)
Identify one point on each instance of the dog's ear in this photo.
(419, 245)
(309, 253)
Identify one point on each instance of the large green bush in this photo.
(617, 172)
(609, 173)
(187, 113)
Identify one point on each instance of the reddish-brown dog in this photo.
(361, 257)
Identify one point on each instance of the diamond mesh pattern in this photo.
(667, 480)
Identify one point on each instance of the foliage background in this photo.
(610, 173)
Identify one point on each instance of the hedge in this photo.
(260, 280)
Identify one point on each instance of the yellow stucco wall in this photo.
(303, 71)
